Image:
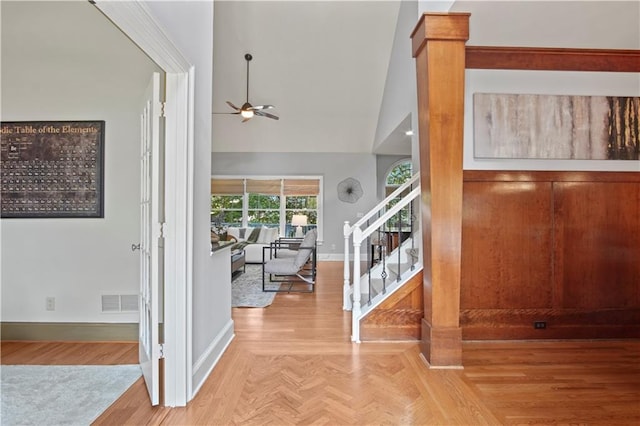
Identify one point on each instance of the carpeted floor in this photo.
(61, 394)
(246, 289)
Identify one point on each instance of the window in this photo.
(263, 210)
(266, 201)
(304, 205)
(301, 198)
(227, 203)
(398, 175)
(227, 209)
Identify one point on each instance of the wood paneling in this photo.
(548, 176)
(597, 244)
(550, 246)
(398, 317)
(506, 245)
(524, 270)
(552, 59)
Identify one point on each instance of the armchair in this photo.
(291, 262)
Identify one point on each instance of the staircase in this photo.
(384, 244)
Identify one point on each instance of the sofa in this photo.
(252, 240)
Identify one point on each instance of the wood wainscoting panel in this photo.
(597, 245)
(506, 245)
(561, 249)
(398, 317)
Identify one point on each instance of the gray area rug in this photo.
(246, 289)
(48, 395)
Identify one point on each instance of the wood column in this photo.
(438, 43)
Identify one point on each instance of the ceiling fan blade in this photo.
(226, 113)
(266, 114)
(260, 107)
(233, 106)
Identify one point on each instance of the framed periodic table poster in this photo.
(52, 169)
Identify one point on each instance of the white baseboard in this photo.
(203, 367)
(330, 257)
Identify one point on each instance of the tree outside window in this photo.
(399, 174)
(264, 210)
(226, 210)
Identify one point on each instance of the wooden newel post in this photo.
(438, 43)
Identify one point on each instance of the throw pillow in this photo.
(262, 237)
(267, 235)
(253, 237)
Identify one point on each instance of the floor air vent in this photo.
(119, 303)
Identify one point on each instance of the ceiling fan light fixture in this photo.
(247, 111)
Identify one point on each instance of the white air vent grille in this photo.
(129, 302)
(119, 303)
(110, 303)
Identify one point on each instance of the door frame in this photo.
(135, 20)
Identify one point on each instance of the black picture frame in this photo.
(52, 169)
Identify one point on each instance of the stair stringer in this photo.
(399, 316)
(391, 288)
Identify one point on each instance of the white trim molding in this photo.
(136, 21)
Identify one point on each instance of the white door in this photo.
(151, 239)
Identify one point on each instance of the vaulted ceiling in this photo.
(323, 64)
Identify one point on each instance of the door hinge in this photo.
(162, 107)
(161, 351)
(162, 229)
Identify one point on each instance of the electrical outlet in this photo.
(539, 325)
(51, 303)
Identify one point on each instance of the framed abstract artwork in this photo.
(556, 127)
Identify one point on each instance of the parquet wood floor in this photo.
(293, 364)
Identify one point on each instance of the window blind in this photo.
(227, 186)
(264, 187)
(301, 187)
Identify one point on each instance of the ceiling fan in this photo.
(247, 111)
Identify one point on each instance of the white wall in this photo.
(334, 167)
(582, 24)
(65, 61)
(399, 99)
